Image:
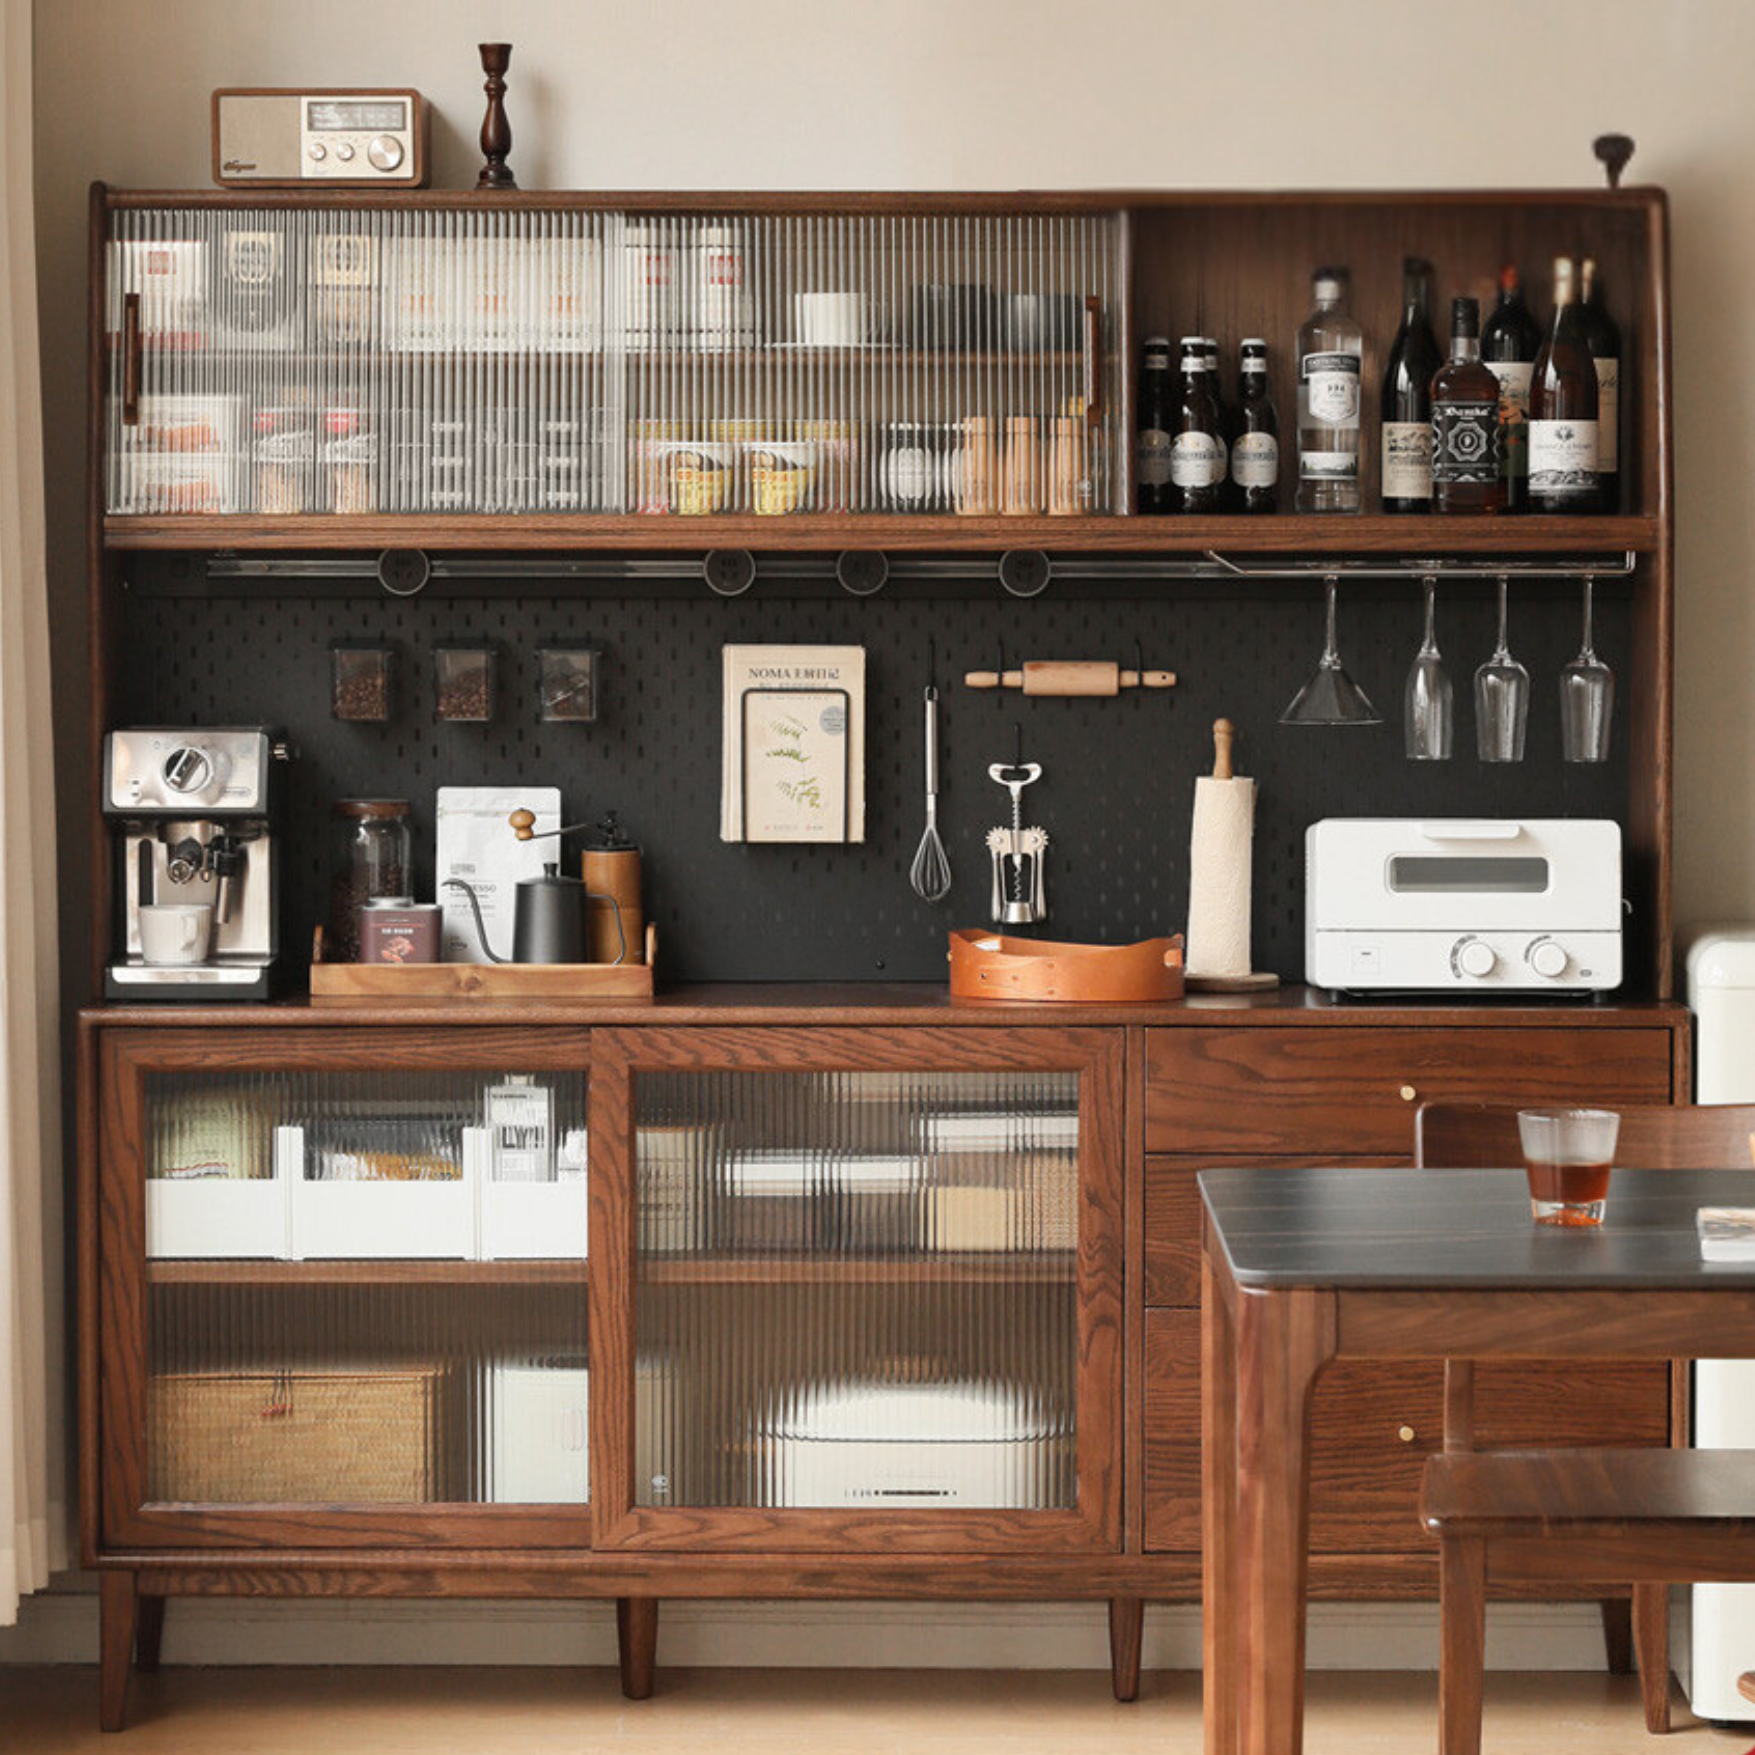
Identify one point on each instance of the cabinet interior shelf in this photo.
(967, 1267)
(367, 1273)
(1290, 534)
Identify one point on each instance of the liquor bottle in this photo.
(1152, 457)
(1465, 422)
(1329, 349)
(1197, 445)
(1509, 340)
(1603, 339)
(1255, 436)
(1407, 397)
(1563, 408)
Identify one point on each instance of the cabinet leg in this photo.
(1618, 1634)
(1127, 1621)
(149, 1632)
(1462, 1659)
(636, 1630)
(1651, 1639)
(118, 1611)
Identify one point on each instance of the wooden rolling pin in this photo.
(1071, 676)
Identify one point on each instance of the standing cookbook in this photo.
(794, 750)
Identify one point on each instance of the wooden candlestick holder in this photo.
(496, 131)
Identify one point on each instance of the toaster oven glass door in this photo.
(1452, 874)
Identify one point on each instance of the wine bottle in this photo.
(1509, 340)
(1465, 422)
(1563, 408)
(1152, 454)
(1255, 435)
(1603, 338)
(1329, 350)
(1407, 397)
(1197, 446)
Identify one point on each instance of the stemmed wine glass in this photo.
(1428, 714)
(1331, 697)
(1587, 698)
(1502, 700)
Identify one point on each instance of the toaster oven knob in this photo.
(1473, 956)
(1548, 958)
(385, 152)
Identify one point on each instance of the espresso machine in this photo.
(195, 812)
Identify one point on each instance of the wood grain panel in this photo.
(1354, 1091)
(1365, 1473)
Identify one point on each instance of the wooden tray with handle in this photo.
(385, 983)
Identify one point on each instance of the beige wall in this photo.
(1005, 93)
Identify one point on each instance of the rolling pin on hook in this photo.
(1070, 676)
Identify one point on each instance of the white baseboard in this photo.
(60, 1626)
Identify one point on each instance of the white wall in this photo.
(998, 94)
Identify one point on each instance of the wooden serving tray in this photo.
(381, 983)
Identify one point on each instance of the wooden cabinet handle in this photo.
(1409, 1093)
(1406, 1434)
(1093, 361)
(131, 359)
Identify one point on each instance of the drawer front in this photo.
(1340, 1090)
(1373, 1429)
(1173, 1217)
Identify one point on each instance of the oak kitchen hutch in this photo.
(810, 1216)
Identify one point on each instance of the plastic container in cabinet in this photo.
(522, 1220)
(218, 1218)
(342, 1218)
(541, 1427)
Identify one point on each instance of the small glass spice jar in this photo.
(373, 842)
(566, 684)
(362, 676)
(463, 681)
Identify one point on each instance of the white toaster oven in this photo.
(1395, 904)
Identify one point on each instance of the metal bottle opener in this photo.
(1019, 894)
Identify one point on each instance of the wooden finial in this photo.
(496, 131)
(523, 824)
(1223, 733)
(1613, 151)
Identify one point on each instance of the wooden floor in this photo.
(791, 1712)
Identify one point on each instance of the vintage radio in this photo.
(285, 139)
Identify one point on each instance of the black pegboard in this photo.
(1118, 774)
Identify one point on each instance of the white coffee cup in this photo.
(175, 932)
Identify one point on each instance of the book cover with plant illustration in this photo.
(794, 767)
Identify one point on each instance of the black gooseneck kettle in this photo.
(548, 912)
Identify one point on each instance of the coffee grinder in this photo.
(195, 813)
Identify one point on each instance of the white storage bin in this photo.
(349, 1220)
(534, 1221)
(541, 1431)
(216, 1218)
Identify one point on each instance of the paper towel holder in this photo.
(1224, 736)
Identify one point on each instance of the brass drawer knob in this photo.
(1406, 1434)
(1409, 1093)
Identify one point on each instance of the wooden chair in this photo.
(1462, 1136)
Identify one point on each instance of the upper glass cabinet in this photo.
(437, 359)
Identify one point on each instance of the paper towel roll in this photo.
(1219, 877)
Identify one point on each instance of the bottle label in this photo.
(1608, 416)
(1407, 460)
(1331, 388)
(1152, 459)
(1328, 465)
(1514, 415)
(1465, 442)
(1563, 458)
(1197, 460)
(1255, 460)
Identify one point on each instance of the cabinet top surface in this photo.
(898, 1003)
(1465, 1230)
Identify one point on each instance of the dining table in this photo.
(1301, 1267)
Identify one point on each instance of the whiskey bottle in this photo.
(1255, 436)
(1407, 397)
(1329, 349)
(1465, 422)
(1563, 408)
(1603, 338)
(1509, 340)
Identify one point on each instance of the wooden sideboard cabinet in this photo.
(875, 1297)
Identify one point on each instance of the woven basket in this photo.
(294, 1438)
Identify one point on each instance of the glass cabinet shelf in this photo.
(319, 361)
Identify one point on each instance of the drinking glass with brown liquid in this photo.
(1568, 1154)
